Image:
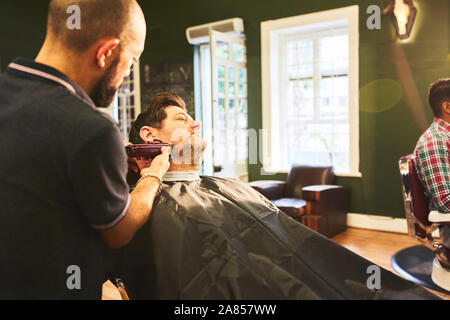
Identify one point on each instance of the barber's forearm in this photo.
(142, 199)
(141, 204)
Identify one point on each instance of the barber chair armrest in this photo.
(437, 217)
(271, 189)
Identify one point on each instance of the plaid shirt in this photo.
(433, 164)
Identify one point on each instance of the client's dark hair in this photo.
(155, 114)
(438, 93)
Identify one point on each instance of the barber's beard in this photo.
(103, 93)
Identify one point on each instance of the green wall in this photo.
(394, 110)
(22, 29)
(394, 75)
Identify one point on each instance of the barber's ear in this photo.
(147, 133)
(105, 51)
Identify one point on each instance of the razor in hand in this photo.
(147, 150)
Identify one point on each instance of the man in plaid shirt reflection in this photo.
(432, 153)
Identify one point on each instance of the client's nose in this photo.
(196, 126)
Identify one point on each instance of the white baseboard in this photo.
(380, 223)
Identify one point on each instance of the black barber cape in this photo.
(218, 238)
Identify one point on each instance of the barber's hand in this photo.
(158, 166)
(133, 165)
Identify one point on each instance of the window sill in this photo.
(271, 171)
(349, 175)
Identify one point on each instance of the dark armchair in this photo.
(310, 197)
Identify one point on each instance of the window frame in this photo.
(207, 71)
(269, 77)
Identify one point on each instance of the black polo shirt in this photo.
(62, 177)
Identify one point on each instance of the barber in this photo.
(63, 190)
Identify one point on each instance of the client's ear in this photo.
(147, 133)
(446, 107)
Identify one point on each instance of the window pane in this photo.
(242, 75)
(221, 104)
(241, 89)
(242, 152)
(231, 73)
(242, 116)
(300, 103)
(242, 120)
(341, 161)
(333, 101)
(242, 137)
(313, 146)
(242, 106)
(221, 86)
(219, 154)
(231, 114)
(231, 89)
(238, 52)
(333, 55)
(231, 144)
(231, 105)
(300, 59)
(319, 144)
(220, 116)
(219, 139)
(220, 71)
(231, 153)
(222, 49)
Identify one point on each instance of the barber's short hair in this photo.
(439, 93)
(155, 114)
(98, 19)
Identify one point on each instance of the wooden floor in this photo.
(375, 246)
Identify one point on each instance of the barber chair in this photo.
(310, 197)
(422, 223)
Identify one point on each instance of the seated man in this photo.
(216, 238)
(433, 155)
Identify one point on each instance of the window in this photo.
(127, 103)
(223, 82)
(310, 91)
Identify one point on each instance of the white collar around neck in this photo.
(181, 176)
